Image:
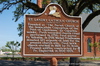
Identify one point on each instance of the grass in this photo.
(89, 58)
(40, 59)
(84, 59)
(22, 58)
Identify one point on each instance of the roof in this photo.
(94, 25)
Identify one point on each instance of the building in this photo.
(91, 34)
(1, 52)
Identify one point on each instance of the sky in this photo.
(8, 28)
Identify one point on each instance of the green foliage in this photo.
(19, 5)
(71, 7)
(13, 46)
(10, 44)
(5, 58)
(22, 58)
(96, 7)
(93, 44)
(89, 59)
(19, 12)
(1, 1)
(4, 49)
(65, 59)
(22, 6)
(44, 2)
(20, 28)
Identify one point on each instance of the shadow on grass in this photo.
(43, 63)
(23, 63)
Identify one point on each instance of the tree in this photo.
(4, 49)
(20, 28)
(71, 7)
(12, 46)
(95, 46)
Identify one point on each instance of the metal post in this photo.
(53, 61)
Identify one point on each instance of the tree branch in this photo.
(89, 18)
(77, 6)
(65, 6)
(7, 5)
(83, 6)
(34, 7)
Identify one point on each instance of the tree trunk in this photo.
(74, 61)
(94, 52)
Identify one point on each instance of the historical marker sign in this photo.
(52, 34)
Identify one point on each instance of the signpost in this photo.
(52, 34)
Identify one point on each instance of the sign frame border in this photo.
(51, 55)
